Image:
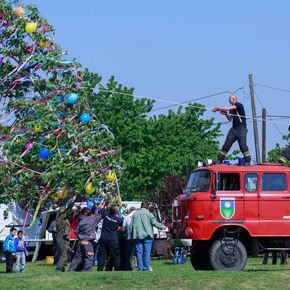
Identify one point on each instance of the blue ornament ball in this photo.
(44, 153)
(72, 98)
(61, 98)
(85, 117)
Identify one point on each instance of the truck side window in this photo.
(229, 181)
(251, 182)
(274, 182)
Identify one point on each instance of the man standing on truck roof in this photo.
(63, 219)
(285, 156)
(236, 114)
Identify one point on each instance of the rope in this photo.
(194, 106)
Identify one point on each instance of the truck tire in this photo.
(228, 255)
(200, 259)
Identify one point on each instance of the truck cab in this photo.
(231, 211)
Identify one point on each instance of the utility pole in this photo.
(264, 116)
(254, 115)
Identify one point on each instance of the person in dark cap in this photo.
(109, 245)
(86, 234)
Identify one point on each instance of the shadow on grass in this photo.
(167, 263)
(266, 270)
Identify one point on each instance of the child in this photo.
(9, 250)
(20, 251)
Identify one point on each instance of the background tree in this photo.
(156, 147)
(171, 187)
(274, 154)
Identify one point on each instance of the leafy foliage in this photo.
(274, 154)
(156, 147)
(36, 83)
(171, 188)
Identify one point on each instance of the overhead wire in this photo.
(203, 107)
(273, 88)
(198, 99)
(274, 122)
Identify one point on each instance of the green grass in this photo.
(165, 276)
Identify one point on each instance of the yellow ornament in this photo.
(89, 188)
(111, 176)
(30, 27)
(55, 198)
(19, 11)
(62, 193)
(37, 129)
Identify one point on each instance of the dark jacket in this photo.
(86, 229)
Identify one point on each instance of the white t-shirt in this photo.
(127, 222)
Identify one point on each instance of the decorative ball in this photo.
(37, 129)
(19, 11)
(85, 117)
(72, 98)
(89, 188)
(44, 153)
(111, 176)
(62, 193)
(61, 98)
(30, 27)
(55, 198)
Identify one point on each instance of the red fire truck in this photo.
(231, 211)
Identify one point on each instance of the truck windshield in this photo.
(199, 181)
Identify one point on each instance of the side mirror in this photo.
(215, 185)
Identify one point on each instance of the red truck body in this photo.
(251, 200)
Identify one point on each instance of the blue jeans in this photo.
(143, 251)
(20, 260)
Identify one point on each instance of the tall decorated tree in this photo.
(52, 143)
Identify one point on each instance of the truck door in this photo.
(274, 205)
(227, 204)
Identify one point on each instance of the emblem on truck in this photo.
(227, 207)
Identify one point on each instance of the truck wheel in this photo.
(200, 259)
(228, 255)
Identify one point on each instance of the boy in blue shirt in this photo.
(20, 251)
(9, 249)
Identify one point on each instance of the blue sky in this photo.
(180, 50)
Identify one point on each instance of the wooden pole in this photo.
(264, 116)
(254, 115)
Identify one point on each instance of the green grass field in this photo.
(165, 276)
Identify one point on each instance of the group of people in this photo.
(235, 113)
(118, 240)
(15, 251)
